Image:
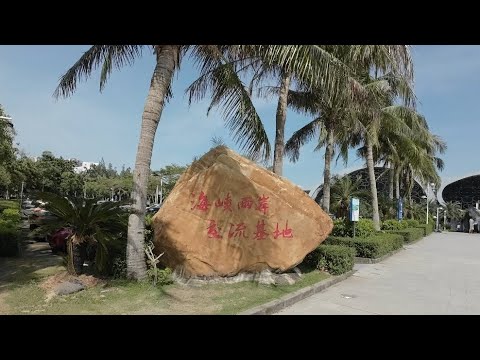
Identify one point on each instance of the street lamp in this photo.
(426, 197)
(438, 208)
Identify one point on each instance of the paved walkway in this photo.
(440, 274)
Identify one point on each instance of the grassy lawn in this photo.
(26, 291)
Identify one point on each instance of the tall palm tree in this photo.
(333, 123)
(218, 59)
(379, 116)
(99, 224)
(332, 74)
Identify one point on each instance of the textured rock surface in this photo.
(227, 215)
(68, 287)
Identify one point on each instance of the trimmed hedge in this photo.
(9, 204)
(410, 234)
(372, 247)
(344, 227)
(9, 239)
(411, 223)
(394, 225)
(427, 228)
(12, 215)
(332, 258)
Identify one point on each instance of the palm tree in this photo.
(91, 223)
(454, 210)
(221, 60)
(343, 189)
(379, 116)
(333, 123)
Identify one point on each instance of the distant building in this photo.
(84, 166)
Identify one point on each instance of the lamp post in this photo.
(438, 208)
(445, 219)
(426, 198)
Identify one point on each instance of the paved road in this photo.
(440, 274)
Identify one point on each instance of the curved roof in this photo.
(465, 189)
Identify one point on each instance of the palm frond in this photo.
(109, 56)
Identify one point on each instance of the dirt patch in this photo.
(52, 281)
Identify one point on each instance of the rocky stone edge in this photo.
(265, 277)
(290, 299)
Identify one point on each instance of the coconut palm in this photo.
(90, 223)
(454, 210)
(334, 124)
(343, 189)
(379, 115)
(217, 59)
(333, 76)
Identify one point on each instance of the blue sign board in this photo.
(400, 209)
(354, 209)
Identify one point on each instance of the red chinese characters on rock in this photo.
(245, 203)
(263, 204)
(202, 202)
(286, 233)
(213, 230)
(239, 230)
(226, 203)
(260, 234)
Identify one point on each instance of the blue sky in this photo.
(91, 125)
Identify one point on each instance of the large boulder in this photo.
(228, 215)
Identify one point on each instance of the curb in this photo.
(290, 299)
(360, 260)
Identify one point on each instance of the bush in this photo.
(9, 239)
(332, 258)
(12, 215)
(160, 276)
(409, 234)
(371, 247)
(9, 204)
(344, 228)
(426, 228)
(411, 223)
(340, 227)
(394, 225)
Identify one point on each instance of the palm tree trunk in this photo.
(391, 176)
(280, 125)
(75, 257)
(326, 171)
(397, 184)
(167, 57)
(373, 186)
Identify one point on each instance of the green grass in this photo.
(124, 297)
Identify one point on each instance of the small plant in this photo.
(158, 276)
(119, 268)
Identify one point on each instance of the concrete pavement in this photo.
(439, 274)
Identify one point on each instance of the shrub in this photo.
(9, 204)
(411, 223)
(394, 225)
(409, 234)
(9, 239)
(332, 258)
(344, 228)
(160, 276)
(364, 228)
(426, 228)
(12, 215)
(371, 247)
